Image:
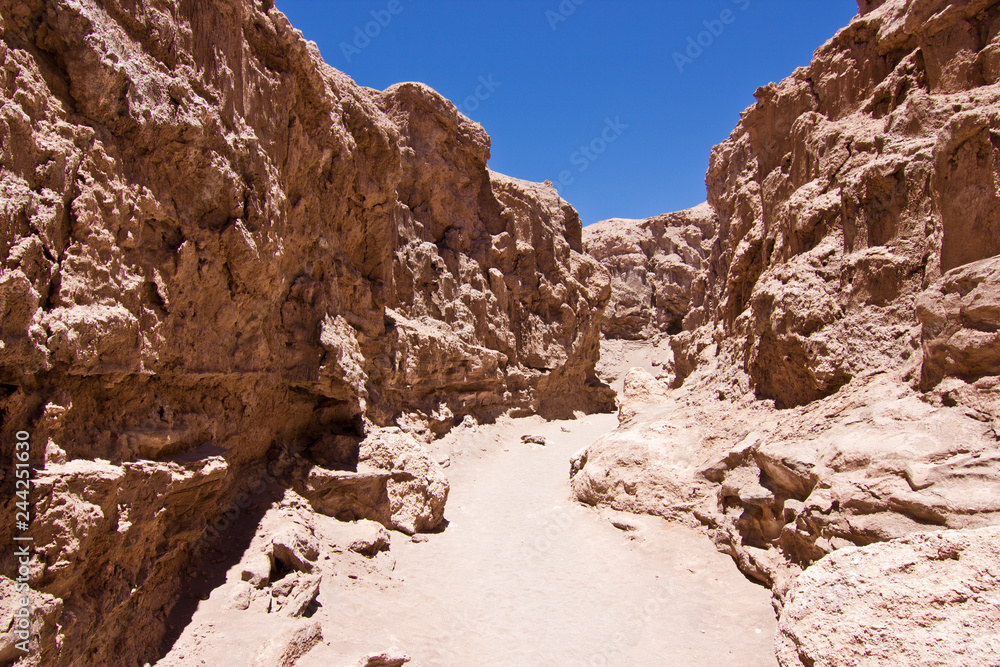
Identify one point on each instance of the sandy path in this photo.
(524, 576)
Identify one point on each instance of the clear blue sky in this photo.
(554, 84)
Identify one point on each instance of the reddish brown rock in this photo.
(960, 315)
(658, 271)
(849, 187)
(219, 253)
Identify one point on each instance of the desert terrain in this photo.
(297, 379)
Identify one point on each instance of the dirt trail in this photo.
(521, 576)
(524, 576)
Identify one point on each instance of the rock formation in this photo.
(658, 266)
(843, 388)
(226, 268)
(927, 599)
(240, 293)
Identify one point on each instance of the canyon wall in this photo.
(658, 267)
(226, 269)
(843, 389)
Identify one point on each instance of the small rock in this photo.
(284, 587)
(363, 537)
(286, 648)
(386, 659)
(257, 571)
(623, 524)
(533, 440)
(370, 545)
(296, 548)
(54, 454)
(239, 599)
(303, 596)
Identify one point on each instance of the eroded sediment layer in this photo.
(659, 271)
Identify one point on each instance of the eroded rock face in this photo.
(927, 599)
(843, 389)
(35, 632)
(848, 188)
(658, 266)
(218, 251)
(960, 315)
(494, 304)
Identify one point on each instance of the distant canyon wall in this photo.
(842, 194)
(659, 271)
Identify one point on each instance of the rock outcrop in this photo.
(850, 187)
(221, 254)
(268, 608)
(659, 271)
(928, 599)
(843, 388)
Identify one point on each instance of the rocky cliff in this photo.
(220, 253)
(658, 267)
(843, 389)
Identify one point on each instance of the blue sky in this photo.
(616, 101)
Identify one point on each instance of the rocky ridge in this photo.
(240, 294)
(230, 272)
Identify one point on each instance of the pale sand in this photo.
(524, 576)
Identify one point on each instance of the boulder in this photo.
(416, 487)
(926, 599)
